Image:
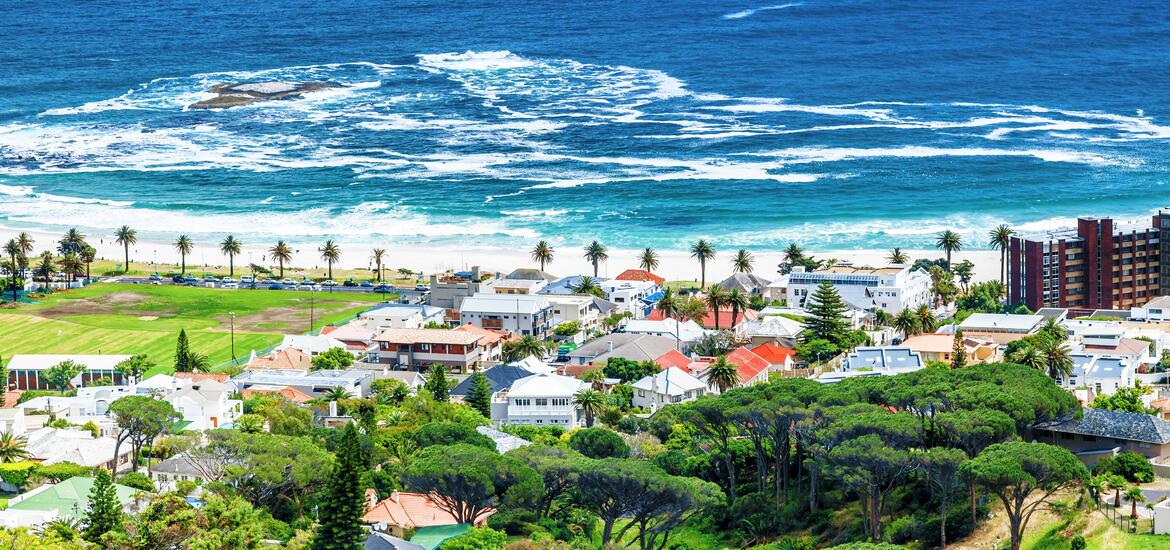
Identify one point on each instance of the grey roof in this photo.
(1159, 302)
(382, 541)
(499, 377)
(1006, 322)
(746, 282)
(529, 274)
(565, 285)
(632, 346)
(1113, 424)
(504, 441)
(1057, 313)
(178, 464)
(889, 359)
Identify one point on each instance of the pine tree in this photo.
(438, 384)
(480, 396)
(104, 512)
(344, 503)
(958, 351)
(827, 320)
(182, 353)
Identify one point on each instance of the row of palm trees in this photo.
(949, 242)
(597, 253)
(76, 255)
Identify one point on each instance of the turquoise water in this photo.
(839, 125)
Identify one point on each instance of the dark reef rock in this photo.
(246, 93)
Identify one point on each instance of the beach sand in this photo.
(674, 265)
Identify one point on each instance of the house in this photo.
(540, 400)
(1102, 374)
(640, 275)
(577, 308)
(522, 314)
(635, 347)
(778, 358)
(746, 283)
(523, 281)
(1154, 311)
(673, 358)
(940, 347)
(288, 359)
(354, 381)
(206, 405)
(1101, 433)
(1001, 327)
(565, 285)
(683, 331)
(891, 289)
(391, 315)
(67, 499)
(185, 378)
(449, 291)
(53, 445)
(727, 319)
(777, 291)
(672, 385)
(167, 473)
(499, 377)
(636, 297)
(752, 368)
(491, 343)
(12, 421)
(404, 511)
(875, 361)
(24, 371)
(312, 345)
(419, 348)
(773, 329)
(357, 337)
(289, 393)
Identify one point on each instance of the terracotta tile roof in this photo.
(414, 510)
(708, 320)
(285, 359)
(11, 397)
(577, 370)
(220, 377)
(748, 363)
(1126, 346)
(774, 354)
(673, 358)
(640, 275)
(292, 394)
(489, 336)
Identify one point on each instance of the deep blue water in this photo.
(855, 124)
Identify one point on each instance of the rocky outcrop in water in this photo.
(235, 95)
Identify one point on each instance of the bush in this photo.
(137, 480)
(17, 473)
(479, 538)
(1133, 467)
(63, 470)
(632, 425)
(450, 433)
(514, 521)
(599, 443)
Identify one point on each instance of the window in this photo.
(522, 402)
(560, 401)
(541, 402)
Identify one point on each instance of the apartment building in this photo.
(519, 313)
(1099, 264)
(891, 289)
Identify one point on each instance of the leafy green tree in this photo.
(478, 538)
(1025, 476)
(480, 395)
(438, 384)
(1134, 467)
(599, 443)
(466, 480)
(284, 417)
(450, 433)
(344, 503)
(137, 480)
(250, 423)
(103, 514)
(133, 367)
(559, 469)
(60, 374)
(628, 370)
(940, 466)
(332, 359)
(958, 350)
(1123, 400)
(140, 420)
(182, 353)
(542, 254)
(702, 251)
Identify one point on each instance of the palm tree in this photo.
(1096, 486)
(73, 241)
(907, 321)
(948, 241)
(793, 253)
(281, 252)
(716, 297)
(13, 448)
(336, 393)
(25, 241)
(723, 374)
(377, 256)
(12, 248)
(588, 285)
(596, 253)
(1057, 358)
(542, 254)
(692, 309)
(230, 247)
(184, 245)
(88, 255)
(45, 268)
(595, 377)
(526, 346)
(648, 259)
(331, 253)
(70, 265)
(742, 262)
(898, 257)
(1134, 495)
(926, 320)
(1000, 238)
(702, 251)
(1116, 483)
(738, 302)
(126, 237)
(1029, 356)
(591, 402)
(670, 306)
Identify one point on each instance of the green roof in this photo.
(434, 536)
(64, 496)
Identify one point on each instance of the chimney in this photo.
(371, 499)
(394, 496)
(332, 408)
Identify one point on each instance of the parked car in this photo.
(383, 288)
(287, 281)
(227, 280)
(178, 279)
(276, 286)
(350, 283)
(366, 284)
(329, 282)
(269, 281)
(230, 285)
(247, 279)
(210, 279)
(422, 288)
(155, 277)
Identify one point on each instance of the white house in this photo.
(773, 329)
(206, 405)
(1154, 311)
(577, 308)
(672, 385)
(683, 331)
(392, 315)
(890, 289)
(522, 314)
(53, 445)
(539, 400)
(636, 297)
(354, 381)
(311, 345)
(1001, 327)
(1103, 374)
(875, 361)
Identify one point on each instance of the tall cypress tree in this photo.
(827, 320)
(480, 396)
(104, 512)
(438, 384)
(344, 505)
(958, 351)
(182, 353)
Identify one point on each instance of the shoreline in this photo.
(674, 265)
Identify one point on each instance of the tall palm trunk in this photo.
(703, 273)
(231, 265)
(182, 263)
(126, 248)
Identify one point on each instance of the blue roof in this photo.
(499, 377)
(884, 359)
(565, 285)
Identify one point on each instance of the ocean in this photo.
(837, 125)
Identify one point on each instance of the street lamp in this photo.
(232, 320)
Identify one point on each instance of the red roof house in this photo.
(752, 368)
(673, 358)
(404, 511)
(708, 320)
(640, 275)
(780, 358)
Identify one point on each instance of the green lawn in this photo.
(119, 318)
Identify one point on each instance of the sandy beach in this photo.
(675, 265)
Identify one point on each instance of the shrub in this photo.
(599, 443)
(64, 470)
(17, 473)
(479, 538)
(137, 480)
(1133, 467)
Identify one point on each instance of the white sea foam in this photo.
(268, 200)
(838, 154)
(474, 61)
(753, 11)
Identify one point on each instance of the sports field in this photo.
(123, 318)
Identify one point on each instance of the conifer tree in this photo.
(182, 353)
(104, 512)
(827, 320)
(958, 351)
(480, 396)
(438, 384)
(344, 504)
